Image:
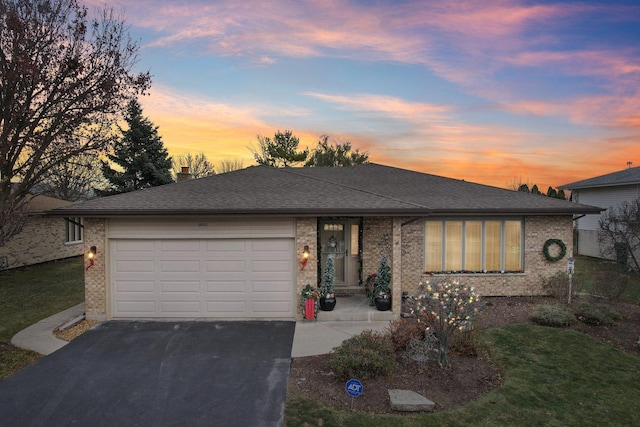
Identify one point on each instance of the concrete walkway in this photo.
(314, 338)
(310, 338)
(39, 336)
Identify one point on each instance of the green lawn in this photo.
(30, 294)
(587, 266)
(552, 377)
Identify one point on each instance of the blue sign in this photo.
(354, 388)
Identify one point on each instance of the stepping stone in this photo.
(410, 401)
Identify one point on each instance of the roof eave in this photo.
(91, 213)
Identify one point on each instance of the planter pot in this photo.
(327, 304)
(383, 304)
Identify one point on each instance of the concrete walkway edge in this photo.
(310, 338)
(39, 336)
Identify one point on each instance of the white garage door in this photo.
(213, 278)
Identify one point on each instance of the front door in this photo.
(340, 239)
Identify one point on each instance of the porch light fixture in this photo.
(91, 256)
(305, 257)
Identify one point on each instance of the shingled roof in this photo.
(628, 176)
(363, 190)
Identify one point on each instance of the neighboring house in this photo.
(43, 238)
(608, 191)
(231, 245)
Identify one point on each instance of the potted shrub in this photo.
(370, 287)
(382, 291)
(309, 302)
(327, 293)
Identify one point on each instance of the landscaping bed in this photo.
(468, 377)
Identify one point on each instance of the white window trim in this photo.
(78, 231)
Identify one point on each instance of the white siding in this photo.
(605, 198)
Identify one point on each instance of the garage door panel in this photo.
(180, 308)
(229, 308)
(141, 266)
(180, 246)
(133, 308)
(180, 266)
(135, 286)
(271, 286)
(226, 286)
(218, 278)
(226, 245)
(231, 266)
(137, 246)
(180, 287)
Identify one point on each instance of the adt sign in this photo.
(354, 388)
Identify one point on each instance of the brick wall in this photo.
(306, 234)
(42, 239)
(95, 278)
(537, 231)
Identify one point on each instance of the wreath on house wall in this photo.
(551, 242)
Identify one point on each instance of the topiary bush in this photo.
(596, 314)
(556, 315)
(363, 356)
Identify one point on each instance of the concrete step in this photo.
(350, 290)
(372, 315)
(354, 308)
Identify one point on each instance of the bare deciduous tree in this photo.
(64, 79)
(73, 180)
(619, 235)
(199, 166)
(228, 165)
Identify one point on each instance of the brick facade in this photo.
(400, 239)
(306, 234)
(42, 239)
(95, 278)
(537, 230)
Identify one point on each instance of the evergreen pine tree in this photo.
(328, 278)
(383, 277)
(140, 154)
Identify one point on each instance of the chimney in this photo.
(184, 175)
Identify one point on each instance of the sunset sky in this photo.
(495, 92)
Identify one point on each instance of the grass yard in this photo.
(30, 294)
(549, 379)
(587, 266)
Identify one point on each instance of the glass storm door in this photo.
(339, 239)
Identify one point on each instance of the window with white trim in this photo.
(474, 245)
(74, 230)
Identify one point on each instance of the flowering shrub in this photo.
(446, 308)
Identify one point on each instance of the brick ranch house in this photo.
(43, 238)
(230, 246)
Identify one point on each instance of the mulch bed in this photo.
(467, 379)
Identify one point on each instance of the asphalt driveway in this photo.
(157, 374)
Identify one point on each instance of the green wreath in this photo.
(548, 244)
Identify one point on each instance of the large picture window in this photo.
(473, 245)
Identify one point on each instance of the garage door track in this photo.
(158, 374)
